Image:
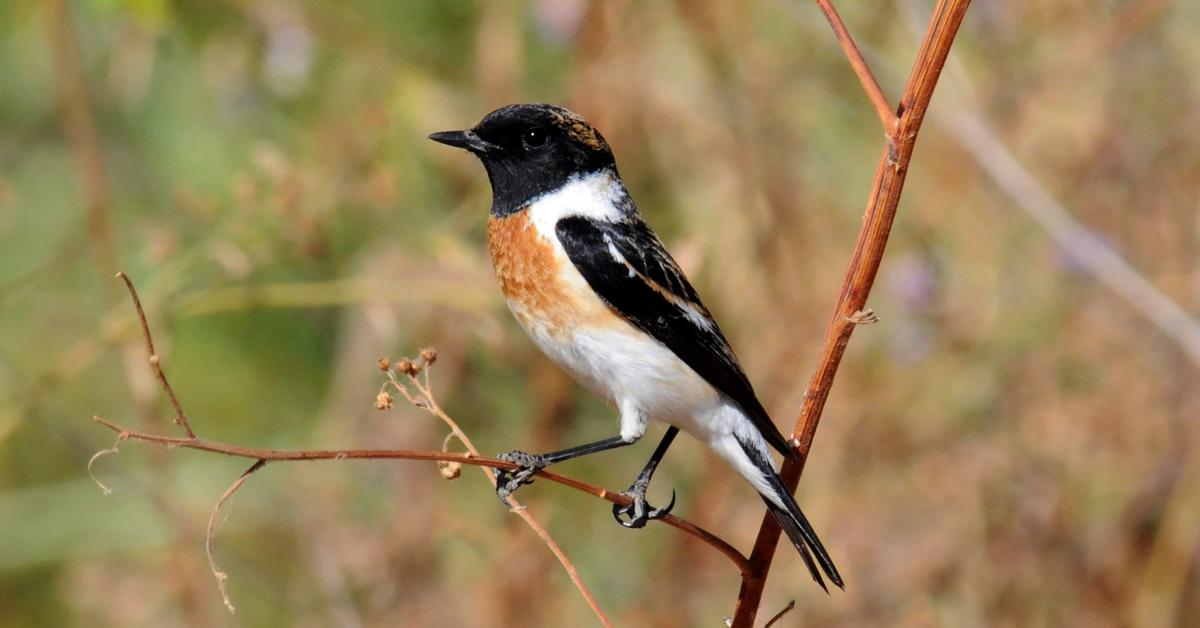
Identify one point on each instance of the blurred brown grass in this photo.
(1012, 445)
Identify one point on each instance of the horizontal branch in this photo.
(269, 455)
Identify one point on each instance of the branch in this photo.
(152, 357)
(887, 115)
(423, 398)
(889, 180)
(778, 616)
(274, 455)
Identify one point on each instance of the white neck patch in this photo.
(598, 196)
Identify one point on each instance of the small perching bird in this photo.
(595, 289)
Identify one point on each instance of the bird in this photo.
(595, 289)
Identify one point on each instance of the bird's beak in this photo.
(464, 139)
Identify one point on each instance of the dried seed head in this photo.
(383, 400)
(384, 363)
(450, 470)
(407, 366)
(429, 355)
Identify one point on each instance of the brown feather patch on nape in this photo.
(578, 129)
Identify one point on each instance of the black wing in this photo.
(627, 265)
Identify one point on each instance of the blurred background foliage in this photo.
(1012, 445)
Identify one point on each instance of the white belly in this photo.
(629, 368)
(647, 381)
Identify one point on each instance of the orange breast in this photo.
(544, 290)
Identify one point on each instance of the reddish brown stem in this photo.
(887, 115)
(890, 174)
(269, 455)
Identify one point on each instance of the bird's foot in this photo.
(639, 511)
(509, 480)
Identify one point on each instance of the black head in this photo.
(529, 150)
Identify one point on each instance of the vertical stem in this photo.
(890, 174)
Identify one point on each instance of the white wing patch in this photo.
(696, 316)
(689, 310)
(612, 250)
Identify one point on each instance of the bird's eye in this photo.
(534, 137)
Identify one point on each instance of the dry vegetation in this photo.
(1013, 444)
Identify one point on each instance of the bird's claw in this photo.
(638, 512)
(509, 480)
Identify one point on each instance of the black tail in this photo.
(799, 531)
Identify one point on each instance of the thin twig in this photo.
(429, 404)
(192, 442)
(889, 180)
(887, 115)
(272, 455)
(152, 357)
(572, 572)
(222, 577)
(111, 451)
(778, 616)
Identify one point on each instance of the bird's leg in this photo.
(637, 513)
(509, 480)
